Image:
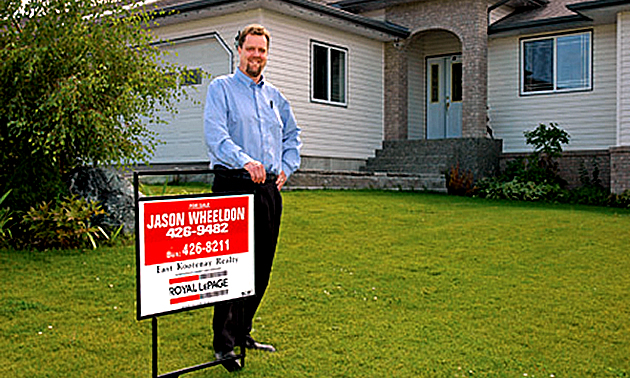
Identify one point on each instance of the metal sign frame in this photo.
(209, 302)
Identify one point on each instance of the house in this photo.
(421, 86)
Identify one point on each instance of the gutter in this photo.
(589, 5)
(537, 23)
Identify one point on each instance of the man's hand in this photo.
(256, 171)
(282, 179)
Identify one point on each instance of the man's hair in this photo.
(253, 29)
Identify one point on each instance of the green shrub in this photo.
(591, 191)
(6, 215)
(589, 195)
(547, 142)
(620, 200)
(585, 177)
(73, 92)
(68, 224)
(518, 190)
(534, 178)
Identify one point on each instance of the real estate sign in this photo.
(193, 251)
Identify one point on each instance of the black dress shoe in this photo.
(231, 363)
(250, 343)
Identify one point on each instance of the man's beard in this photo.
(254, 70)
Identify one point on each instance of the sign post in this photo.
(193, 251)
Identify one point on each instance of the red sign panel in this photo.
(187, 230)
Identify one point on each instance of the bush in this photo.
(534, 178)
(620, 200)
(589, 195)
(6, 216)
(518, 190)
(459, 183)
(547, 142)
(68, 224)
(80, 83)
(591, 192)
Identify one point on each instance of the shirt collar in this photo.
(240, 76)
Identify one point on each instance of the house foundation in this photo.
(619, 169)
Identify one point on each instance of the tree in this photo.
(547, 142)
(80, 82)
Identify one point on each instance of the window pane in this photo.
(538, 65)
(456, 80)
(192, 77)
(338, 76)
(320, 72)
(574, 61)
(435, 83)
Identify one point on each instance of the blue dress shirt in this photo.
(246, 121)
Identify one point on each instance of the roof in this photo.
(558, 12)
(299, 7)
(528, 15)
(359, 6)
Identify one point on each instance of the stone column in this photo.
(395, 116)
(475, 72)
(619, 169)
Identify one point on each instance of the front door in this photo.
(444, 97)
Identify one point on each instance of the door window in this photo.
(456, 82)
(435, 83)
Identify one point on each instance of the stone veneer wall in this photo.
(619, 169)
(572, 163)
(478, 156)
(467, 19)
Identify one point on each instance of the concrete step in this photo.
(408, 164)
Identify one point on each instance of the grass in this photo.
(365, 284)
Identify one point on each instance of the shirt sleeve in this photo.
(291, 142)
(221, 147)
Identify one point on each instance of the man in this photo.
(254, 144)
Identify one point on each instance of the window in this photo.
(456, 82)
(192, 77)
(556, 64)
(328, 74)
(435, 83)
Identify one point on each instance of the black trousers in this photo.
(267, 214)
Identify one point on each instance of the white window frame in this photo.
(329, 79)
(589, 81)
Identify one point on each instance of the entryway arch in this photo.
(435, 91)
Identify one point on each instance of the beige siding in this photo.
(589, 117)
(354, 131)
(183, 135)
(623, 59)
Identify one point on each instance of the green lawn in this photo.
(365, 284)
